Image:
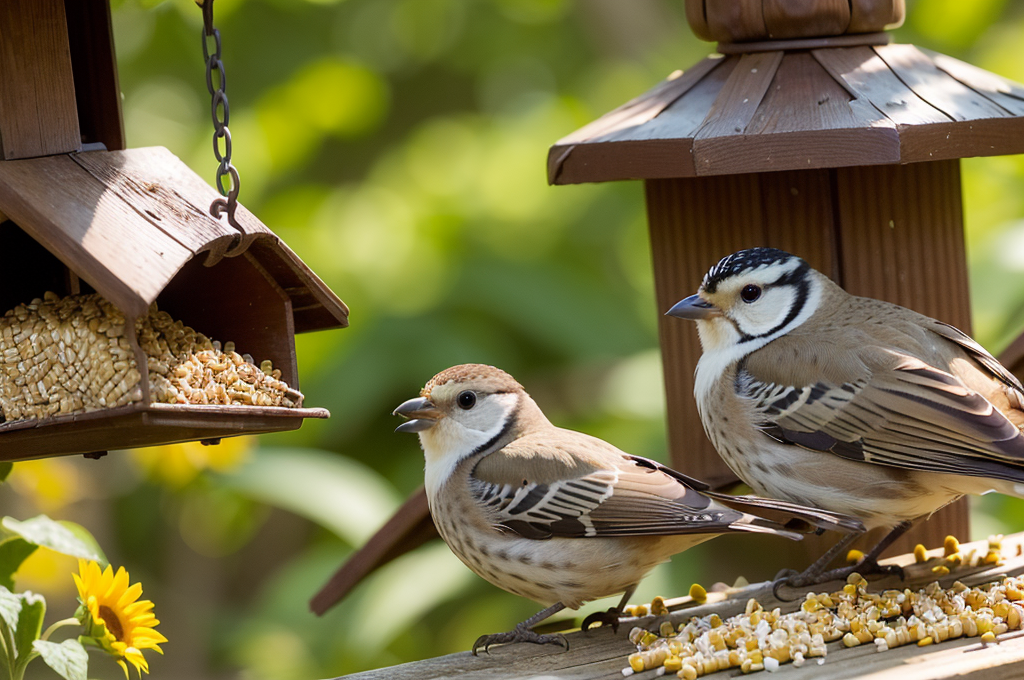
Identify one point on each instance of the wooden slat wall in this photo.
(902, 241)
(38, 114)
(839, 221)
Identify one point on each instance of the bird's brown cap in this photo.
(488, 377)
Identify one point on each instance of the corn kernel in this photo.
(854, 556)
(988, 637)
(924, 642)
(940, 570)
(920, 553)
(673, 664)
(715, 620)
(667, 629)
(850, 589)
(636, 662)
(687, 672)
(991, 557)
(640, 610)
(850, 640)
(950, 546)
(698, 593)
(658, 607)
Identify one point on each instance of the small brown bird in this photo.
(846, 403)
(558, 516)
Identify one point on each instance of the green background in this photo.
(399, 147)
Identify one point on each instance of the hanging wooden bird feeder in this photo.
(112, 258)
(810, 132)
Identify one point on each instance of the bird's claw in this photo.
(867, 566)
(605, 618)
(518, 634)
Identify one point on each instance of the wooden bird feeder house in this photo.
(811, 132)
(81, 214)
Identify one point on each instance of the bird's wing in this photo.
(978, 353)
(908, 415)
(603, 493)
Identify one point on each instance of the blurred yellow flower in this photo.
(178, 464)
(46, 571)
(112, 614)
(50, 483)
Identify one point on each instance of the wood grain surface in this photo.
(38, 113)
(600, 654)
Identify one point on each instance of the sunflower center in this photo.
(113, 623)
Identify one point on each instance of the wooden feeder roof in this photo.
(127, 221)
(799, 108)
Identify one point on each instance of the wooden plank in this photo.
(806, 120)
(38, 114)
(866, 76)
(936, 87)
(410, 527)
(632, 114)
(600, 654)
(740, 97)
(94, 65)
(1002, 91)
(906, 245)
(694, 223)
(163, 189)
(647, 106)
(142, 425)
(91, 229)
(314, 305)
(805, 18)
(681, 118)
(799, 217)
(735, 20)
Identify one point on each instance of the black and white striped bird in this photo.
(558, 516)
(847, 403)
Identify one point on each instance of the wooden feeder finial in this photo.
(738, 21)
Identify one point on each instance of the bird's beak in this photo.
(695, 308)
(420, 414)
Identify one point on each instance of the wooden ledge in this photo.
(880, 38)
(601, 654)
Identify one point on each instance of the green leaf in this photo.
(13, 551)
(10, 608)
(62, 537)
(337, 493)
(68, 658)
(5, 471)
(30, 624)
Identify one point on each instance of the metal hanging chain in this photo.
(221, 113)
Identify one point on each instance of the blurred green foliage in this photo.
(399, 147)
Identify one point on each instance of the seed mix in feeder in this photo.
(71, 354)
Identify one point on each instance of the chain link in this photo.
(220, 112)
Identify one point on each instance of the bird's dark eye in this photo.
(750, 293)
(467, 399)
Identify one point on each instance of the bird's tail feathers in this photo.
(792, 516)
(758, 525)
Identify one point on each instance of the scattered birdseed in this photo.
(763, 640)
(71, 355)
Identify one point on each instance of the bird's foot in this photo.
(518, 634)
(866, 567)
(605, 618)
(869, 566)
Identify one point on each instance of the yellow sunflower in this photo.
(114, 617)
